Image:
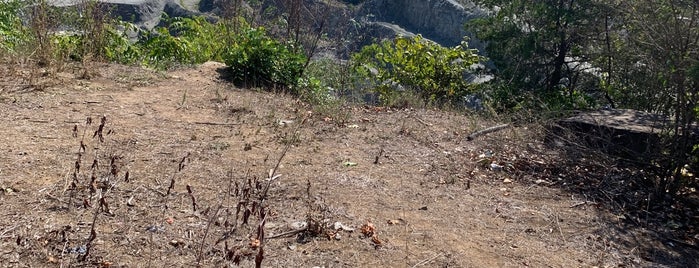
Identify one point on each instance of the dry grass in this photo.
(244, 177)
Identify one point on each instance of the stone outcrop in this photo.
(625, 133)
(144, 13)
(439, 20)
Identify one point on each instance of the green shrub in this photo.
(336, 76)
(68, 46)
(434, 73)
(12, 32)
(257, 59)
(313, 90)
(118, 48)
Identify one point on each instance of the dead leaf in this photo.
(52, 259)
(368, 229)
(376, 241)
(254, 243)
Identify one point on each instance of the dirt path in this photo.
(430, 201)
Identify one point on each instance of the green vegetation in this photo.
(563, 55)
(183, 41)
(254, 57)
(434, 73)
(257, 59)
(539, 50)
(12, 32)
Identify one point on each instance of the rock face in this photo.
(621, 132)
(439, 20)
(144, 13)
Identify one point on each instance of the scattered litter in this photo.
(285, 122)
(495, 167)
(299, 225)
(396, 222)
(349, 164)
(130, 202)
(155, 229)
(486, 154)
(507, 180)
(80, 250)
(339, 226)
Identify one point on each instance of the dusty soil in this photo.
(406, 186)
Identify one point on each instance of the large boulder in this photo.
(625, 133)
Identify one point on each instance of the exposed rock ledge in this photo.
(621, 132)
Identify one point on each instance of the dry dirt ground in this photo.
(182, 178)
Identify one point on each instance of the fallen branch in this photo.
(582, 203)
(213, 123)
(289, 233)
(487, 131)
(426, 261)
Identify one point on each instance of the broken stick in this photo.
(486, 131)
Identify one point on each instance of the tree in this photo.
(641, 55)
(540, 46)
(664, 36)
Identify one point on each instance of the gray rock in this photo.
(625, 133)
(439, 20)
(144, 13)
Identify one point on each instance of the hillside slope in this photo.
(432, 198)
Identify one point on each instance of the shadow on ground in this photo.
(660, 230)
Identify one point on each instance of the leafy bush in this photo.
(185, 41)
(118, 47)
(257, 59)
(68, 46)
(12, 32)
(312, 90)
(433, 72)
